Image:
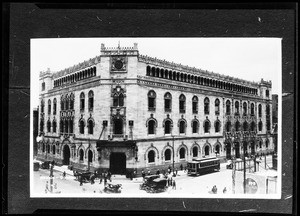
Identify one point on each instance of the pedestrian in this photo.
(214, 189)
(109, 176)
(224, 190)
(80, 180)
(47, 187)
(157, 172)
(134, 173)
(181, 167)
(143, 174)
(169, 169)
(64, 175)
(173, 184)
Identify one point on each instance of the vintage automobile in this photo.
(154, 184)
(112, 188)
(83, 176)
(45, 165)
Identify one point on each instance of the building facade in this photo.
(123, 111)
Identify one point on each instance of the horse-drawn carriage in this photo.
(83, 176)
(154, 184)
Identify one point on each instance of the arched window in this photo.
(168, 127)
(217, 149)
(91, 100)
(71, 101)
(206, 126)
(259, 110)
(228, 126)
(245, 126)
(42, 126)
(54, 126)
(42, 106)
(182, 127)
(151, 127)
(228, 107)
(81, 154)
(182, 153)
(151, 156)
(195, 151)
(268, 125)
(195, 126)
(181, 103)
(252, 126)
(217, 126)
(168, 102)
(268, 109)
(195, 105)
(206, 106)
(49, 107)
(43, 149)
(260, 144)
(48, 126)
(267, 143)
(236, 106)
(48, 148)
(53, 149)
(267, 93)
(71, 126)
(67, 103)
(151, 100)
(81, 126)
(90, 126)
(61, 126)
(90, 156)
(217, 106)
(260, 125)
(167, 155)
(206, 150)
(118, 100)
(237, 126)
(54, 106)
(245, 108)
(82, 101)
(252, 109)
(66, 126)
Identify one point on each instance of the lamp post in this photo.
(173, 153)
(245, 142)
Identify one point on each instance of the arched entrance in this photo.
(228, 150)
(117, 163)
(237, 150)
(66, 155)
(118, 126)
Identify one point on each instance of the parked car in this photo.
(154, 184)
(45, 165)
(85, 176)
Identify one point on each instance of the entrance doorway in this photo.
(66, 155)
(117, 163)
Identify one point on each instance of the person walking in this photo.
(224, 190)
(181, 167)
(174, 184)
(64, 175)
(80, 180)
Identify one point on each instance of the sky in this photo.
(246, 58)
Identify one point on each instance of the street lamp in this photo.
(173, 153)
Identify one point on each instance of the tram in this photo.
(202, 166)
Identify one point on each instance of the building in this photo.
(123, 111)
(35, 130)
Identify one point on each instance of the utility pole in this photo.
(244, 148)
(89, 155)
(173, 153)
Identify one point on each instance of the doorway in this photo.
(66, 155)
(117, 163)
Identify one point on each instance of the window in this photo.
(151, 127)
(43, 86)
(71, 101)
(81, 127)
(236, 106)
(206, 150)
(268, 109)
(49, 107)
(43, 147)
(195, 105)
(48, 148)
(54, 106)
(90, 156)
(91, 100)
(82, 101)
(217, 106)
(168, 102)
(182, 153)
(252, 126)
(118, 100)
(195, 151)
(260, 144)
(48, 126)
(81, 153)
(260, 125)
(228, 107)
(195, 126)
(245, 108)
(245, 126)
(217, 149)
(206, 106)
(237, 126)
(228, 126)
(259, 110)
(268, 125)
(42, 106)
(54, 126)
(151, 100)
(252, 109)
(67, 103)
(167, 155)
(206, 126)
(267, 93)
(182, 127)
(181, 103)
(151, 156)
(66, 126)
(168, 127)
(267, 143)
(118, 126)
(61, 126)
(217, 126)
(71, 126)
(62, 103)
(53, 149)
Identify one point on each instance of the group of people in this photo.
(214, 190)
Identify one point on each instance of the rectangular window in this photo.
(43, 86)
(151, 104)
(81, 104)
(181, 107)
(195, 108)
(167, 105)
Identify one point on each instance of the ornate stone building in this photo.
(123, 111)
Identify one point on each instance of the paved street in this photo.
(185, 185)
